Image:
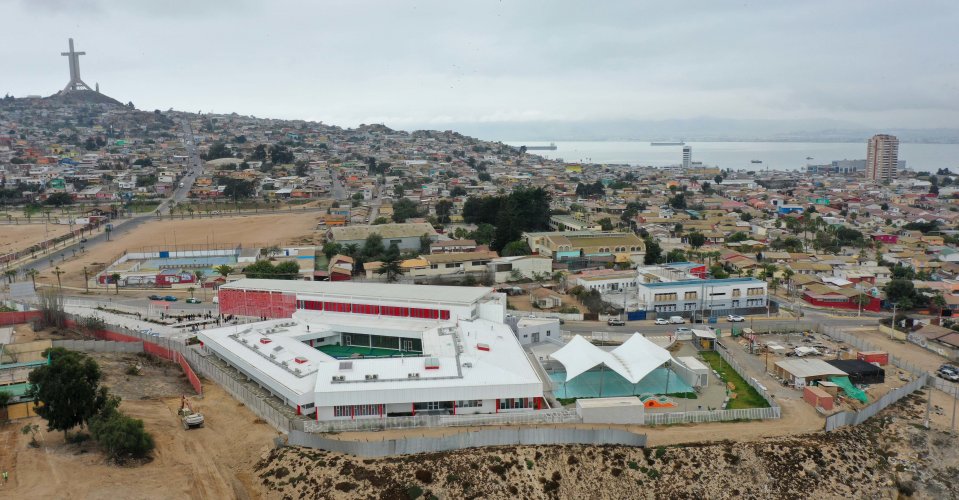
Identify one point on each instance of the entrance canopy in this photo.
(633, 360)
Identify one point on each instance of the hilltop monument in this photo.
(75, 82)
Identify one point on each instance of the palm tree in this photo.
(223, 270)
(33, 273)
(10, 274)
(190, 210)
(116, 281)
(191, 290)
(351, 249)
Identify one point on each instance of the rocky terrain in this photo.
(891, 456)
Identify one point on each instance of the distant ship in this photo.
(809, 157)
(551, 147)
(756, 161)
(680, 143)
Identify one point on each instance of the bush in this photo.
(121, 436)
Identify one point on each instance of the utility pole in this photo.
(86, 280)
(893, 324)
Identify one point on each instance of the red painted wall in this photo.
(874, 305)
(14, 318)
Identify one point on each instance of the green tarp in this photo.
(849, 389)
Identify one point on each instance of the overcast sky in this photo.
(423, 64)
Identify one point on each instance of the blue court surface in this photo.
(587, 385)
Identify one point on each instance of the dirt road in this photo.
(15, 237)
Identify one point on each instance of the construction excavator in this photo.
(191, 418)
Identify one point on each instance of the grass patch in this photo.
(746, 396)
(566, 401)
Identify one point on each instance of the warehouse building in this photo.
(357, 350)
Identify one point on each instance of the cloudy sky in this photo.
(428, 63)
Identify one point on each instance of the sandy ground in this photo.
(908, 351)
(211, 462)
(17, 237)
(276, 229)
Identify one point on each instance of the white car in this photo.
(683, 330)
(662, 321)
(732, 318)
(677, 320)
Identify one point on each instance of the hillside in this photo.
(889, 456)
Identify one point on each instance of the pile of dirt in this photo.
(889, 455)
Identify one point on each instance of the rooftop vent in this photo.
(413, 375)
(265, 340)
(346, 365)
(300, 359)
(432, 363)
(278, 348)
(372, 377)
(338, 378)
(482, 347)
(468, 364)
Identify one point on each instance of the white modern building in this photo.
(689, 296)
(368, 350)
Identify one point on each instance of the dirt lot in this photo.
(212, 462)
(278, 229)
(888, 456)
(19, 236)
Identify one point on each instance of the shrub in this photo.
(121, 436)
(414, 492)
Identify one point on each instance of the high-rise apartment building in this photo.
(882, 157)
(687, 156)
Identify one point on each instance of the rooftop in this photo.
(371, 291)
(716, 282)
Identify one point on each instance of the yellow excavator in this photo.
(191, 418)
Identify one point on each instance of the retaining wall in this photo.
(474, 439)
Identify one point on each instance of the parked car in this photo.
(677, 320)
(732, 318)
(948, 372)
(83, 240)
(662, 321)
(615, 322)
(683, 330)
(170, 298)
(155, 297)
(192, 300)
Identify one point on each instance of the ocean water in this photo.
(739, 155)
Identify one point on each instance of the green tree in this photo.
(483, 234)
(443, 209)
(68, 389)
(425, 242)
(902, 292)
(676, 255)
(119, 435)
(115, 278)
(606, 224)
(405, 209)
(653, 251)
(696, 239)
(515, 248)
(331, 248)
(223, 270)
(286, 270)
(373, 247)
(59, 199)
(390, 266)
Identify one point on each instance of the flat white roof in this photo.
(371, 291)
(803, 368)
(500, 369)
(692, 363)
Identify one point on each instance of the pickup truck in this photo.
(615, 322)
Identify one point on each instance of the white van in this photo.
(676, 320)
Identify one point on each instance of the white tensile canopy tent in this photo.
(633, 360)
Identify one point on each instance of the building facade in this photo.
(716, 296)
(367, 350)
(882, 158)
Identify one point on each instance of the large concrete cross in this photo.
(75, 82)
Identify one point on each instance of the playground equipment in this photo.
(191, 418)
(654, 401)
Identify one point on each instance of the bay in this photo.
(739, 155)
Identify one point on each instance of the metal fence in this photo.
(99, 345)
(553, 416)
(761, 389)
(696, 417)
(473, 439)
(845, 418)
(259, 404)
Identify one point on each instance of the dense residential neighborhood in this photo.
(431, 207)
